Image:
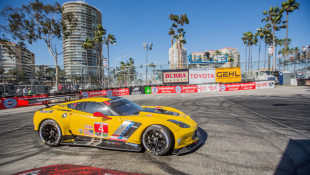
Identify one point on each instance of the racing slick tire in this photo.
(157, 139)
(50, 132)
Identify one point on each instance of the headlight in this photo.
(181, 124)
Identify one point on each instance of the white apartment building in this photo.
(176, 60)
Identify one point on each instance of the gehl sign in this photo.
(228, 75)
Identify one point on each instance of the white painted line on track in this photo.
(265, 117)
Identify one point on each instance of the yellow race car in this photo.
(119, 124)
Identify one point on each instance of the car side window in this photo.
(76, 106)
(92, 107)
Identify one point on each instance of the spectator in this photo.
(77, 87)
(18, 91)
(60, 87)
(25, 90)
(29, 91)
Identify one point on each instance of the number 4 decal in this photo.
(101, 127)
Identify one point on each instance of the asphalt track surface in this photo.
(263, 131)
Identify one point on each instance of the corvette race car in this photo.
(119, 124)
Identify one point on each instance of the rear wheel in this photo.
(50, 133)
(157, 139)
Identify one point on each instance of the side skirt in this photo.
(104, 144)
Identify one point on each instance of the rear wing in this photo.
(50, 100)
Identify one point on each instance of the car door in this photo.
(83, 123)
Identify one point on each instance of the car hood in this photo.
(167, 113)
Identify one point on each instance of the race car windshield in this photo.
(125, 107)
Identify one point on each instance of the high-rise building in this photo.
(177, 60)
(23, 61)
(77, 61)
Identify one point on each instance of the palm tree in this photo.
(260, 35)
(273, 18)
(172, 33)
(245, 42)
(110, 39)
(296, 51)
(88, 44)
(180, 37)
(252, 39)
(267, 40)
(96, 41)
(289, 6)
(278, 42)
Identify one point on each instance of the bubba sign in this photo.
(175, 76)
(227, 75)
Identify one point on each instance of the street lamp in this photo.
(147, 47)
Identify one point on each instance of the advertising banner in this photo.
(228, 75)
(136, 90)
(148, 90)
(174, 89)
(208, 88)
(175, 76)
(12, 102)
(265, 84)
(99, 93)
(110, 92)
(230, 87)
(189, 89)
(118, 92)
(248, 86)
(201, 76)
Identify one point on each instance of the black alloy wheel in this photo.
(157, 139)
(50, 133)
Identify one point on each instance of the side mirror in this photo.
(99, 114)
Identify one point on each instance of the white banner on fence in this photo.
(208, 88)
(200, 76)
(265, 84)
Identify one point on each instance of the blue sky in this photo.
(213, 25)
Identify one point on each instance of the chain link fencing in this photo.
(43, 78)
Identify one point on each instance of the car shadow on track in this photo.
(296, 158)
(204, 137)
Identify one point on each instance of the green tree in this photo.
(261, 35)
(273, 18)
(252, 40)
(21, 77)
(12, 74)
(87, 45)
(109, 40)
(132, 70)
(267, 40)
(289, 6)
(245, 42)
(97, 40)
(37, 21)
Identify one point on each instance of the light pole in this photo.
(147, 47)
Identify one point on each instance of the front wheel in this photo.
(50, 133)
(157, 139)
